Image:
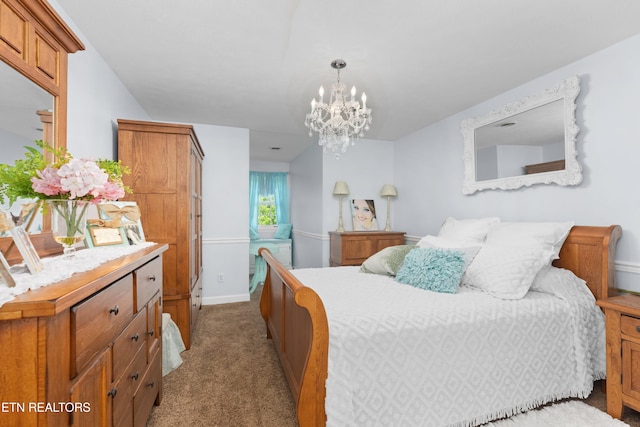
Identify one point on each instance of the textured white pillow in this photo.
(505, 273)
(548, 236)
(467, 231)
(468, 251)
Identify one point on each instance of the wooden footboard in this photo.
(296, 320)
(297, 323)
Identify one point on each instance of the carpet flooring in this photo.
(231, 376)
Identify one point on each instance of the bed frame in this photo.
(296, 320)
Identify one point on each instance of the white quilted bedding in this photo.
(401, 356)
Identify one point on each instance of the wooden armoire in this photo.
(166, 178)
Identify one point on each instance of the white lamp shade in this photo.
(340, 189)
(388, 190)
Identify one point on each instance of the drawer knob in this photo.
(135, 376)
(115, 310)
(152, 278)
(135, 337)
(637, 328)
(150, 333)
(151, 384)
(112, 392)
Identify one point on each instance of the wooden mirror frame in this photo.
(35, 41)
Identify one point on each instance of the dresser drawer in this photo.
(98, 320)
(629, 326)
(126, 386)
(148, 282)
(147, 391)
(127, 344)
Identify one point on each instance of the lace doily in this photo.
(57, 268)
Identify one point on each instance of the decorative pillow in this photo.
(387, 261)
(432, 269)
(253, 234)
(469, 252)
(505, 273)
(468, 231)
(283, 231)
(548, 236)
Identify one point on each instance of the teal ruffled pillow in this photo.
(253, 234)
(387, 261)
(283, 231)
(433, 269)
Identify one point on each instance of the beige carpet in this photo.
(231, 376)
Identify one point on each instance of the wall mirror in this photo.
(34, 44)
(26, 115)
(531, 141)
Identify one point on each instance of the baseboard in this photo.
(226, 299)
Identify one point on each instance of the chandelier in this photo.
(340, 121)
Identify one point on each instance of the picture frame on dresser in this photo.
(363, 215)
(27, 250)
(128, 213)
(97, 236)
(5, 274)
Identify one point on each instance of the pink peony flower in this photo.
(48, 183)
(111, 191)
(80, 177)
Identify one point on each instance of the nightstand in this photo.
(353, 248)
(622, 316)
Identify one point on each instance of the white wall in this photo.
(366, 167)
(225, 213)
(96, 99)
(429, 166)
(307, 208)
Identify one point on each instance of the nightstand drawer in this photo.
(630, 326)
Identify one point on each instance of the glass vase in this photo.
(68, 223)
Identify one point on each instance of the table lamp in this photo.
(388, 191)
(340, 189)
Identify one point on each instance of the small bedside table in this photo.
(354, 247)
(622, 317)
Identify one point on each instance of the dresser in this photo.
(622, 317)
(166, 177)
(85, 351)
(353, 248)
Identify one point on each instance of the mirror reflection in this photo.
(26, 115)
(529, 142)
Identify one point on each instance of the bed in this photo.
(297, 323)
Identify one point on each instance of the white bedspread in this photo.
(401, 356)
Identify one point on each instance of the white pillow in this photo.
(505, 273)
(548, 236)
(468, 252)
(467, 231)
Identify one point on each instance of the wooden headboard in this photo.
(590, 253)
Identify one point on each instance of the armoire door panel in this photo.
(152, 158)
(159, 216)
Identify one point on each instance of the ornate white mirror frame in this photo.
(564, 93)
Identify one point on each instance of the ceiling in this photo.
(256, 64)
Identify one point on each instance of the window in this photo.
(268, 199)
(267, 210)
